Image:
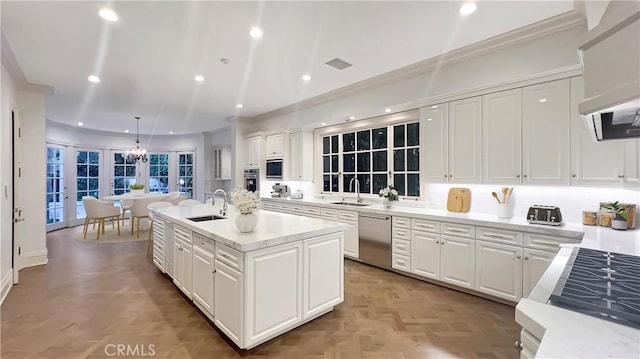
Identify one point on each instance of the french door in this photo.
(57, 194)
(186, 180)
(88, 171)
(158, 169)
(124, 173)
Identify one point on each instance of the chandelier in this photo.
(137, 154)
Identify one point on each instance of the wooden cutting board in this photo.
(459, 200)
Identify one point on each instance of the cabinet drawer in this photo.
(401, 246)
(400, 262)
(269, 206)
(159, 262)
(425, 225)
(401, 222)
(230, 257)
(182, 234)
(312, 211)
(401, 233)
(548, 243)
(203, 242)
(529, 340)
(296, 209)
(350, 217)
(458, 230)
(499, 235)
(158, 249)
(329, 214)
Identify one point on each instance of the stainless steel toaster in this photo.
(541, 214)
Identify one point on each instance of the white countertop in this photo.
(272, 228)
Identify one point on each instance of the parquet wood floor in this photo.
(90, 296)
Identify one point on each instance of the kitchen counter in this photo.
(271, 230)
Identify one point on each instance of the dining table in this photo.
(133, 197)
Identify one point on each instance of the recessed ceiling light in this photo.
(323, 124)
(239, 105)
(126, 131)
(306, 78)
(80, 124)
(543, 100)
(429, 119)
(255, 32)
(199, 78)
(108, 14)
(225, 61)
(387, 110)
(352, 118)
(434, 106)
(171, 132)
(93, 78)
(468, 8)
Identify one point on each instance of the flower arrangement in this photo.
(389, 192)
(244, 201)
(136, 186)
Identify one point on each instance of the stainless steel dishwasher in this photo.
(374, 232)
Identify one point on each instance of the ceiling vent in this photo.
(339, 64)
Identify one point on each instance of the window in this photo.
(376, 157)
(185, 173)
(124, 173)
(55, 185)
(87, 178)
(159, 172)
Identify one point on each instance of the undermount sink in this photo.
(206, 218)
(351, 204)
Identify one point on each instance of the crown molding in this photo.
(512, 38)
(10, 62)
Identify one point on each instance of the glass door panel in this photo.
(159, 172)
(56, 188)
(124, 173)
(186, 181)
(87, 177)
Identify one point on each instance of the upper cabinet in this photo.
(501, 137)
(545, 133)
(301, 156)
(275, 146)
(465, 141)
(436, 144)
(253, 150)
(222, 163)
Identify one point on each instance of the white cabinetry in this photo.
(457, 261)
(183, 271)
(545, 133)
(301, 156)
(275, 145)
(631, 175)
(502, 138)
(499, 270)
(159, 244)
(253, 150)
(203, 273)
(351, 235)
(535, 264)
(425, 250)
(436, 144)
(229, 301)
(324, 286)
(465, 141)
(222, 163)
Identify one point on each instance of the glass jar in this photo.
(589, 218)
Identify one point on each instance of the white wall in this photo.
(82, 137)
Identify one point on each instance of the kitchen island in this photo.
(252, 286)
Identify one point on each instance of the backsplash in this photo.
(571, 200)
(305, 186)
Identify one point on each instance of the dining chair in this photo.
(125, 204)
(99, 210)
(139, 210)
(173, 197)
(189, 202)
(152, 205)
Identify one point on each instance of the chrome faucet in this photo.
(357, 188)
(223, 211)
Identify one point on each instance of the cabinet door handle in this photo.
(526, 258)
(525, 176)
(214, 272)
(574, 176)
(518, 345)
(442, 242)
(518, 256)
(517, 176)
(445, 176)
(620, 176)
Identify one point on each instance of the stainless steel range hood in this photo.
(610, 57)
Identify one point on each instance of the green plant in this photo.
(136, 186)
(618, 208)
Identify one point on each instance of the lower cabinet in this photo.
(351, 235)
(203, 278)
(323, 286)
(457, 261)
(499, 270)
(425, 250)
(229, 302)
(183, 271)
(535, 264)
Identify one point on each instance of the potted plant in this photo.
(390, 195)
(136, 189)
(246, 203)
(620, 220)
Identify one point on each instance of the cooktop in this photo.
(601, 284)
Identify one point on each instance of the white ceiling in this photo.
(148, 59)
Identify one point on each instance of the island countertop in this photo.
(271, 230)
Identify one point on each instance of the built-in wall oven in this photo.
(274, 169)
(251, 180)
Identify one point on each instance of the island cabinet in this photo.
(261, 294)
(183, 262)
(159, 244)
(203, 273)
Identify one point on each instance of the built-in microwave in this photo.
(274, 169)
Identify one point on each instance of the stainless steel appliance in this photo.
(602, 284)
(375, 239)
(252, 180)
(274, 169)
(280, 190)
(540, 214)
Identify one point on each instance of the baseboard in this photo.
(7, 283)
(32, 259)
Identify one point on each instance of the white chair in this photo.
(139, 210)
(173, 197)
(189, 202)
(159, 204)
(99, 210)
(126, 206)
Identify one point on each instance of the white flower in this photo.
(394, 192)
(244, 201)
